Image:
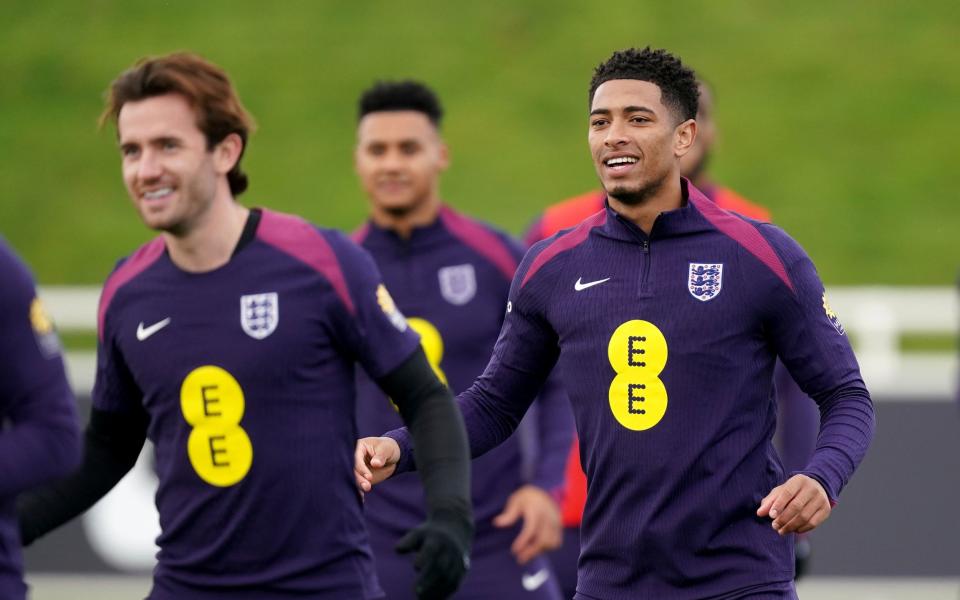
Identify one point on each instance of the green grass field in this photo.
(840, 116)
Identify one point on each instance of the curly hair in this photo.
(400, 95)
(205, 86)
(677, 83)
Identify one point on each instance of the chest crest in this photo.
(705, 280)
(259, 314)
(458, 283)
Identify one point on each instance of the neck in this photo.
(643, 214)
(211, 242)
(699, 180)
(403, 224)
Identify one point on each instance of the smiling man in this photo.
(450, 275)
(665, 315)
(797, 416)
(230, 341)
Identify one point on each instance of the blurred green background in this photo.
(842, 117)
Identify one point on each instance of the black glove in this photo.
(442, 544)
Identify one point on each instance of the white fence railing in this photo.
(121, 527)
(875, 317)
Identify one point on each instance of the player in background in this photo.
(664, 315)
(799, 417)
(39, 431)
(230, 341)
(450, 275)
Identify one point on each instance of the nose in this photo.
(616, 135)
(148, 167)
(392, 161)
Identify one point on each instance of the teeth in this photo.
(622, 160)
(157, 193)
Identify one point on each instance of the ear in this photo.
(683, 137)
(227, 153)
(444, 157)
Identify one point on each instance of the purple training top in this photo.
(666, 346)
(40, 437)
(247, 373)
(451, 280)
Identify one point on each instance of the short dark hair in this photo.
(677, 83)
(400, 95)
(205, 86)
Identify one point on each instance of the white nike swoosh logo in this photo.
(145, 332)
(582, 286)
(532, 582)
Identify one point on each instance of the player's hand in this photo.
(442, 544)
(374, 460)
(542, 528)
(798, 505)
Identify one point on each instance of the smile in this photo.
(154, 194)
(620, 161)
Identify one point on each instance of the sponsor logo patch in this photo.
(389, 308)
(44, 330)
(832, 316)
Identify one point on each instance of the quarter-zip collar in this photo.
(680, 221)
(422, 236)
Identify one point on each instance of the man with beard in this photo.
(230, 340)
(450, 274)
(665, 315)
(798, 417)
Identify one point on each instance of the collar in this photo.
(423, 235)
(680, 221)
(249, 230)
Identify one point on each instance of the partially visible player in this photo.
(665, 315)
(450, 275)
(799, 418)
(39, 432)
(230, 341)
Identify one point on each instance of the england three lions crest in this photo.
(259, 314)
(458, 284)
(705, 280)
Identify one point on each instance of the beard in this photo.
(637, 195)
(398, 212)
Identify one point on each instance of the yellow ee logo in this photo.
(432, 344)
(219, 449)
(638, 353)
